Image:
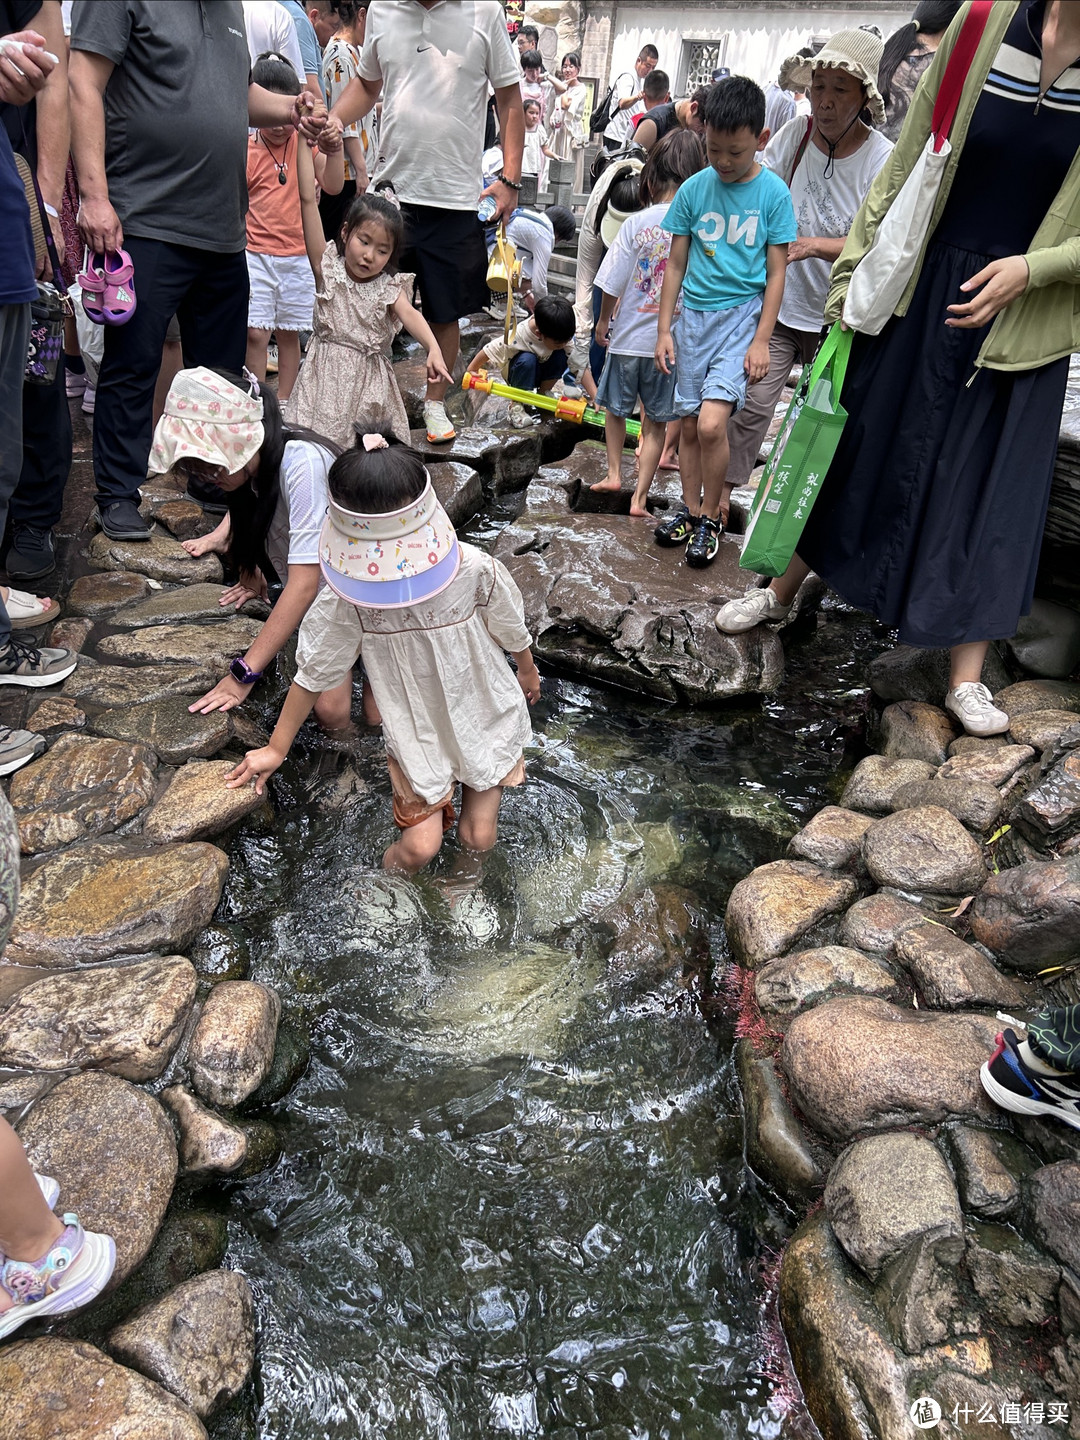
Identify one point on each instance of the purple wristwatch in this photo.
(242, 672)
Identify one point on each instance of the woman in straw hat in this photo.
(932, 513)
(829, 161)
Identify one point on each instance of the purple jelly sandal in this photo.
(118, 301)
(74, 1271)
(91, 281)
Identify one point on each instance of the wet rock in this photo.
(887, 1191)
(184, 519)
(210, 646)
(103, 593)
(950, 974)
(606, 602)
(111, 1147)
(974, 803)
(992, 766)
(1031, 695)
(168, 728)
(925, 850)
(80, 788)
(127, 1019)
(909, 673)
(120, 685)
(977, 744)
(10, 886)
(197, 805)
(292, 1052)
(159, 558)
(1041, 729)
(71, 633)
(919, 1297)
(1027, 915)
(68, 1390)
(232, 1047)
(1052, 809)
(912, 730)
(20, 1091)
(208, 1144)
(459, 490)
(193, 602)
(116, 897)
(53, 717)
(874, 923)
(1069, 1303)
(263, 1148)
(832, 839)
(810, 976)
(858, 1063)
(875, 781)
(776, 1145)
(657, 934)
(220, 954)
(988, 1186)
(1053, 1201)
(1047, 641)
(198, 1341)
(1017, 1284)
(776, 904)
(505, 459)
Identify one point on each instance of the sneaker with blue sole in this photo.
(1014, 1084)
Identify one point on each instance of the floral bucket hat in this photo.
(386, 561)
(207, 418)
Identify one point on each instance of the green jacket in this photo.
(1044, 323)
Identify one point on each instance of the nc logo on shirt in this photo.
(712, 225)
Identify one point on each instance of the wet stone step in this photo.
(211, 645)
(99, 594)
(114, 685)
(193, 602)
(168, 728)
(159, 558)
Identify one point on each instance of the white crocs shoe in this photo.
(754, 608)
(973, 706)
(440, 430)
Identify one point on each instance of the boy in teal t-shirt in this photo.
(731, 226)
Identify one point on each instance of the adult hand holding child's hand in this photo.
(257, 765)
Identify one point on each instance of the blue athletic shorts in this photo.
(710, 348)
(626, 377)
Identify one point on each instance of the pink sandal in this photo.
(118, 301)
(91, 281)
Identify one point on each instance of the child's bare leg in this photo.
(712, 423)
(416, 846)
(332, 708)
(217, 541)
(614, 440)
(478, 825)
(27, 1226)
(652, 442)
(257, 342)
(690, 465)
(288, 362)
(669, 460)
(369, 706)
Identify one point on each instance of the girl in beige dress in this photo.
(361, 302)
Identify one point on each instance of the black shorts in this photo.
(445, 250)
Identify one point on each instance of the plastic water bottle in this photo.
(485, 211)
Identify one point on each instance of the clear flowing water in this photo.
(512, 1199)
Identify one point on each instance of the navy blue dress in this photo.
(932, 514)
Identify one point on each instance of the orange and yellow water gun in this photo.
(561, 406)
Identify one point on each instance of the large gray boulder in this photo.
(80, 788)
(1027, 915)
(924, 851)
(774, 906)
(232, 1045)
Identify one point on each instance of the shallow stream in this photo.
(512, 1198)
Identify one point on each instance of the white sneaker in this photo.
(519, 417)
(439, 427)
(754, 608)
(973, 706)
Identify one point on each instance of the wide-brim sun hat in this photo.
(856, 51)
(612, 223)
(207, 418)
(383, 562)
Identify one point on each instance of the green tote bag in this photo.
(799, 459)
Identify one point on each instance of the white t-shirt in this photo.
(822, 207)
(633, 269)
(533, 159)
(293, 537)
(435, 67)
(270, 27)
(622, 121)
(533, 236)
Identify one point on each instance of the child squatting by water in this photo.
(433, 619)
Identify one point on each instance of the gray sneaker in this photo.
(753, 608)
(18, 748)
(24, 664)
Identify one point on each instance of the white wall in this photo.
(759, 39)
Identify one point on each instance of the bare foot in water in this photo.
(216, 542)
(611, 485)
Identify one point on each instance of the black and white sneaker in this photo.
(1015, 1085)
(704, 543)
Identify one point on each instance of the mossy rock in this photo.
(292, 1052)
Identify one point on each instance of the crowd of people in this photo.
(240, 174)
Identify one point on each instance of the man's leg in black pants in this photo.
(213, 316)
(124, 413)
(39, 498)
